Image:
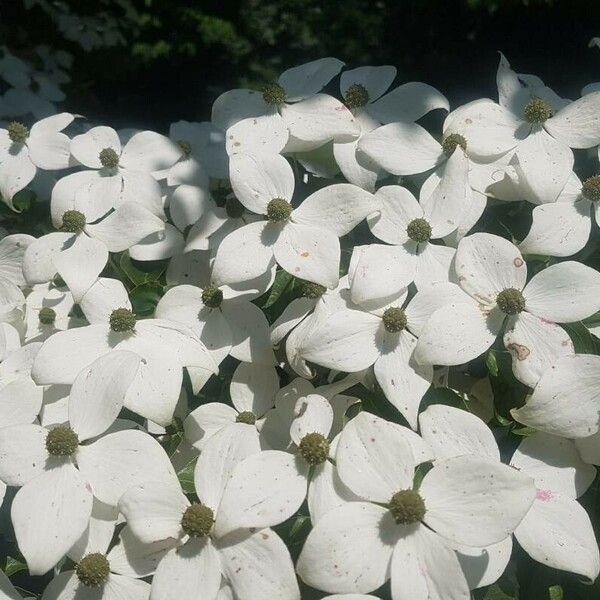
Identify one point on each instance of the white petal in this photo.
(475, 501)
(120, 460)
(64, 193)
(535, 345)
(188, 203)
(309, 252)
(86, 148)
(259, 566)
(266, 134)
(98, 392)
(402, 148)
(154, 510)
(566, 400)
(338, 207)
(102, 298)
(454, 432)
(376, 80)
(56, 122)
(235, 105)
(38, 261)
(188, 171)
(207, 420)
(333, 556)
(142, 188)
(23, 453)
(434, 264)
(160, 245)
(577, 124)
(484, 566)
(49, 150)
(424, 567)
(408, 102)
(149, 151)
(355, 166)
(558, 533)
(16, 172)
(374, 459)
(309, 78)
(564, 292)
(253, 388)
(49, 515)
(265, 489)
(20, 402)
(397, 208)
(312, 414)
(486, 264)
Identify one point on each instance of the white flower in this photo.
(304, 241)
(403, 532)
(52, 509)
(492, 273)
(166, 348)
(255, 564)
(12, 250)
(23, 151)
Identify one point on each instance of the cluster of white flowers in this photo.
(320, 251)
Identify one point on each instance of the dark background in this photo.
(176, 56)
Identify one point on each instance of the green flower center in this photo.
(62, 441)
(185, 146)
(537, 111)
(510, 301)
(234, 208)
(407, 507)
(17, 132)
(73, 221)
(419, 230)
(247, 417)
(450, 142)
(279, 210)
(212, 297)
(356, 96)
(47, 315)
(109, 158)
(394, 319)
(308, 289)
(93, 570)
(197, 520)
(122, 319)
(591, 188)
(274, 94)
(314, 448)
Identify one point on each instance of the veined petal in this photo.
(309, 78)
(577, 124)
(86, 147)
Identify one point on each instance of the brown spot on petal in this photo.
(304, 254)
(520, 351)
(518, 262)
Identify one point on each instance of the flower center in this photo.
(308, 289)
(419, 230)
(109, 158)
(212, 297)
(234, 208)
(356, 96)
(47, 315)
(197, 520)
(591, 188)
(450, 142)
(93, 570)
(73, 221)
(394, 319)
(62, 441)
(314, 448)
(274, 94)
(407, 507)
(122, 319)
(185, 146)
(537, 111)
(510, 301)
(17, 132)
(247, 417)
(279, 210)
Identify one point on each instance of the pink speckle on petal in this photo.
(543, 495)
(341, 108)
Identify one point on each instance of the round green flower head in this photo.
(247, 417)
(121, 320)
(510, 301)
(212, 297)
(356, 96)
(314, 448)
(185, 146)
(62, 441)
(47, 315)
(279, 210)
(234, 208)
(274, 94)
(197, 520)
(591, 188)
(419, 230)
(73, 221)
(109, 158)
(407, 507)
(93, 570)
(308, 289)
(537, 111)
(17, 132)
(450, 142)
(394, 319)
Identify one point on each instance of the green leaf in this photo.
(581, 337)
(144, 298)
(282, 280)
(555, 592)
(14, 566)
(492, 363)
(495, 592)
(186, 477)
(524, 431)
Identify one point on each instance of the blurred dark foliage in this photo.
(171, 58)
